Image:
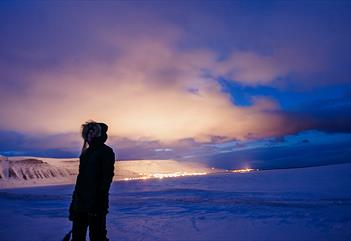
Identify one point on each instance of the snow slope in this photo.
(293, 204)
(24, 171)
(29, 171)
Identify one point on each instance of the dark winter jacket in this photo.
(96, 170)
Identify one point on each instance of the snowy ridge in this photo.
(3, 167)
(32, 171)
(33, 168)
(24, 171)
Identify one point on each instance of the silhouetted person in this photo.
(89, 205)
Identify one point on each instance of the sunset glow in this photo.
(220, 86)
(175, 120)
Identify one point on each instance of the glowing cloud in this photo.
(151, 91)
(144, 78)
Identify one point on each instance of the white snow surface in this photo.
(292, 204)
(22, 171)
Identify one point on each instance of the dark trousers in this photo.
(96, 224)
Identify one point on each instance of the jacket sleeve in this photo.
(106, 177)
(72, 206)
(74, 200)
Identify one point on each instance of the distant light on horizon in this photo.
(164, 175)
(244, 170)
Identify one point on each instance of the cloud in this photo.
(142, 94)
(142, 78)
(57, 145)
(282, 157)
(251, 68)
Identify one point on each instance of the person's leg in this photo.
(79, 228)
(97, 228)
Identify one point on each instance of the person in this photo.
(90, 201)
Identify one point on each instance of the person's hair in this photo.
(99, 129)
(91, 125)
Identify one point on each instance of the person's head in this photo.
(94, 132)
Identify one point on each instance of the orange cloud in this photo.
(150, 91)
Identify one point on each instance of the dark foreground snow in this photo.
(296, 204)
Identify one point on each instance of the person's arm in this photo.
(72, 206)
(74, 200)
(106, 177)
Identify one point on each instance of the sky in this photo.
(232, 84)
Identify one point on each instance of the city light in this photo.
(165, 175)
(244, 170)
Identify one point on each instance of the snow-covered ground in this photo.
(22, 171)
(294, 204)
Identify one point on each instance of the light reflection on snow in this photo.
(164, 175)
(244, 170)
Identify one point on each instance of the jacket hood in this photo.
(99, 129)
